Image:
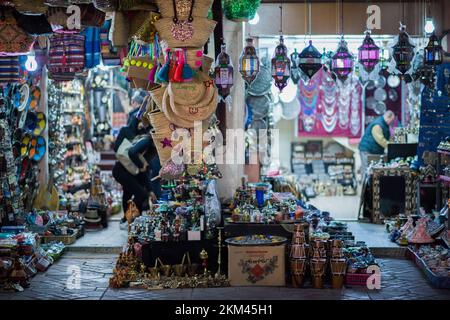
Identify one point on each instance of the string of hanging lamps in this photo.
(310, 59)
(342, 60)
(281, 65)
(403, 50)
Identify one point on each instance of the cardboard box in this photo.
(256, 265)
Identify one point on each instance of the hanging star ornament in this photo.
(166, 143)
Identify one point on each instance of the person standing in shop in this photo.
(375, 139)
(140, 186)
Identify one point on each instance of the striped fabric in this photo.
(110, 57)
(9, 70)
(92, 46)
(66, 54)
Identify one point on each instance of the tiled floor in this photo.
(400, 280)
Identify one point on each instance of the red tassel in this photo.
(178, 76)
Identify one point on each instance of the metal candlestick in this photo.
(219, 256)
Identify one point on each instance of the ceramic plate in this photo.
(262, 83)
(380, 108)
(393, 81)
(380, 94)
(291, 110)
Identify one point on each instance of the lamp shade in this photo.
(223, 73)
(368, 53)
(281, 65)
(310, 60)
(240, 10)
(249, 62)
(342, 61)
(403, 51)
(433, 51)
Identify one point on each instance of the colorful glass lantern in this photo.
(240, 10)
(342, 61)
(223, 73)
(403, 51)
(368, 53)
(249, 62)
(310, 60)
(281, 65)
(433, 51)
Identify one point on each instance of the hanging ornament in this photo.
(368, 53)
(224, 73)
(310, 60)
(433, 51)
(295, 71)
(249, 62)
(240, 11)
(342, 61)
(403, 51)
(281, 66)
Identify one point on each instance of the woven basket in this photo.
(146, 31)
(191, 93)
(201, 8)
(106, 5)
(120, 30)
(207, 64)
(195, 56)
(194, 113)
(157, 96)
(30, 6)
(203, 28)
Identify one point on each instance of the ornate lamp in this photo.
(240, 10)
(249, 62)
(403, 51)
(310, 60)
(281, 66)
(433, 51)
(223, 73)
(368, 53)
(342, 61)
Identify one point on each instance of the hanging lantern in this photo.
(368, 53)
(310, 60)
(281, 66)
(295, 72)
(240, 10)
(342, 61)
(223, 73)
(249, 62)
(403, 51)
(433, 51)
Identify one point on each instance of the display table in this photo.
(286, 230)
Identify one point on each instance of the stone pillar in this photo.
(234, 34)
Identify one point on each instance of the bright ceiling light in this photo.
(429, 26)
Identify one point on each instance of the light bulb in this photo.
(429, 26)
(255, 20)
(31, 63)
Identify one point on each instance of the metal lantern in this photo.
(223, 73)
(281, 66)
(310, 60)
(240, 10)
(403, 51)
(368, 53)
(249, 62)
(342, 61)
(433, 51)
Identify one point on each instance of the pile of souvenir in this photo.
(359, 258)
(21, 257)
(437, 258)
(129, 272)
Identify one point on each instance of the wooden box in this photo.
(256, 265)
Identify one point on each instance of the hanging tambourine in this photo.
(289, 93)
(291, 110)
(262, 83)
(22, 97)
(37, 148)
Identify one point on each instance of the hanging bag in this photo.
(66, 56)
(123, 156)
(13, 40)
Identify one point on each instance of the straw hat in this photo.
(203, 27)
(201, 8)
(30, 6)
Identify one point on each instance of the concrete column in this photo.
(234, 34)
